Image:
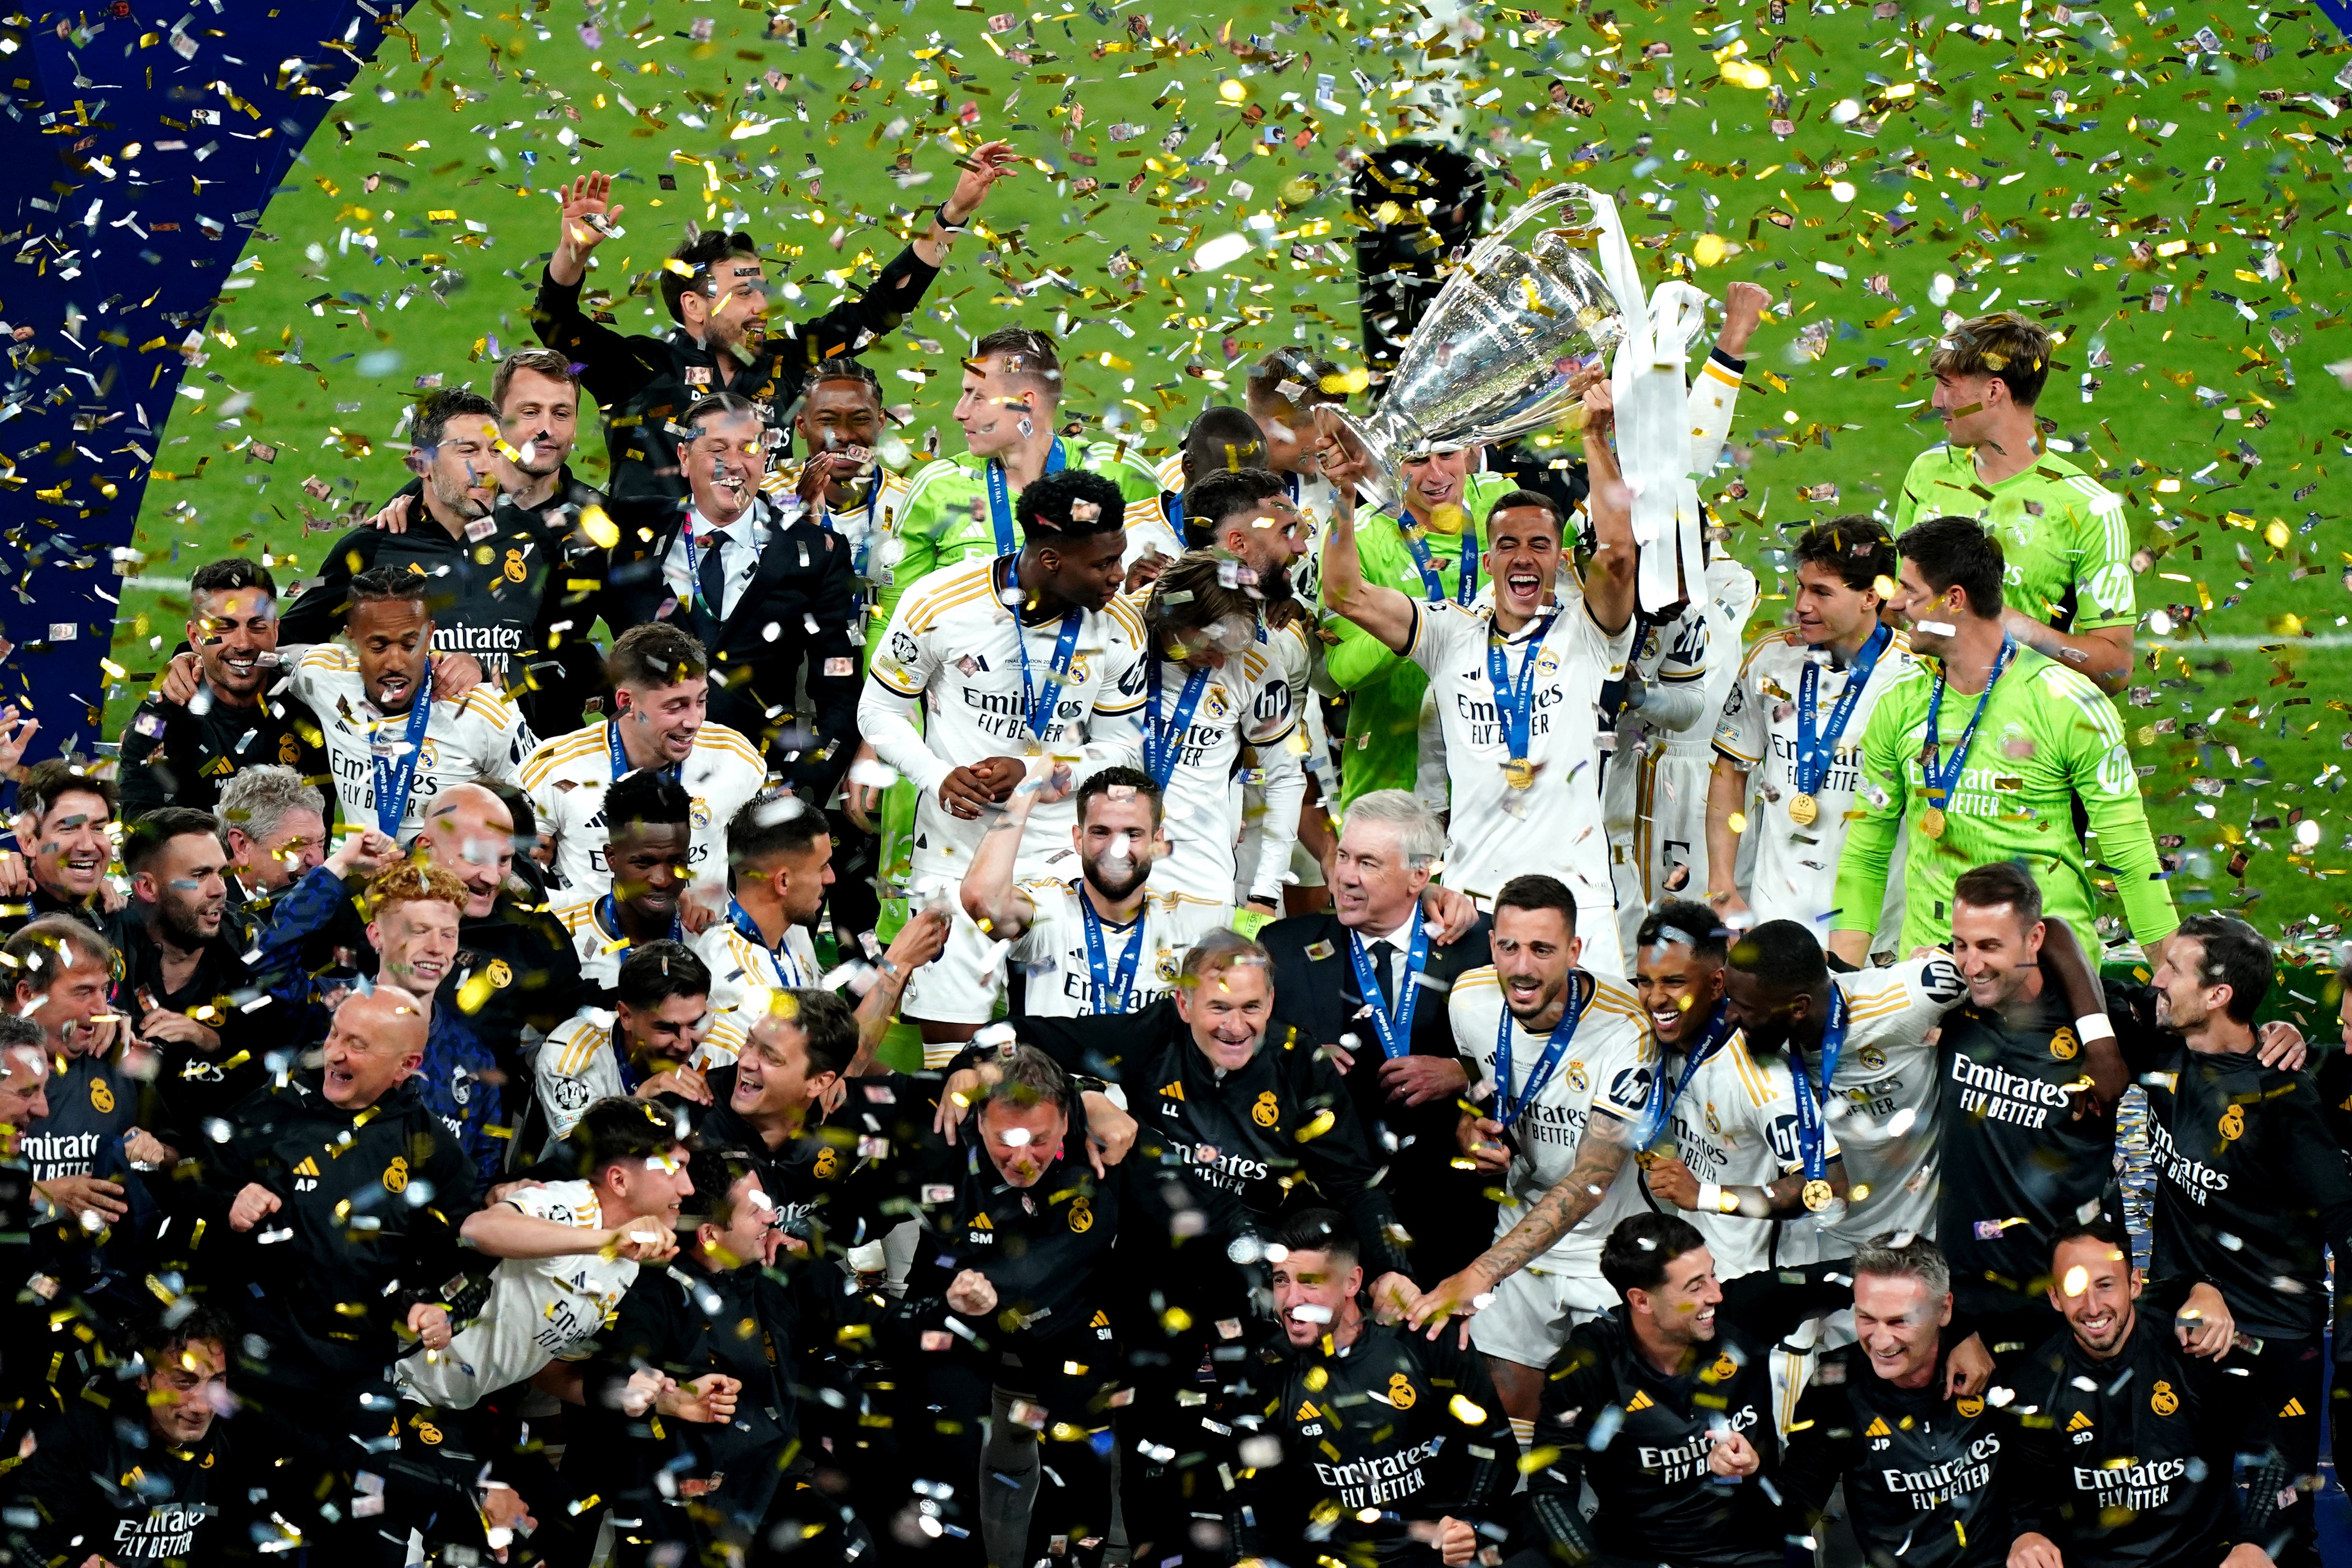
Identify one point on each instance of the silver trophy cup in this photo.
(1493, 357)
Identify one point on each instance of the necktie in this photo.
(1385, 955)
(713, 545)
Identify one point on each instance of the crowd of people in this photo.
(1405, 1055)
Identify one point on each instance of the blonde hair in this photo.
(414, 881)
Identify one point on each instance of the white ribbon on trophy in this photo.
(1653, 433)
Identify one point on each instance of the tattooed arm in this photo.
(1601, 1153)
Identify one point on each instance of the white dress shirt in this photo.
(739, 559)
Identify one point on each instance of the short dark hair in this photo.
(387, 584)
(772, 823)
(1050, 507)
(1637, 1252)
(161, 1338)
(1538, 891)
(699, 253)
(827, 1023)
(2235, 956)
(715, 1171)
(1319, 380)
(145, 838)
(618, 1128)
(1855, 547)
(1027, 353)
(1100, 784)
(443, 404)
(548, 363)
(1027, 1077)
(1784, 955)
(38, 953)
(655, 971)
(45, 783)
(1536, 499)
(2013, 350)
(1688, 923)
(230, 575)
(842, 367)
(1321, 1230)
(648, 795)
(2102, 1230)
(2000, 882)
(1223, 439)
(655, 653)
(1222, 492)
(1958, 552)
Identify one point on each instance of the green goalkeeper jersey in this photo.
(2048, 738)
(2063, 534)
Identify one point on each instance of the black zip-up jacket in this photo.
(373, 1199)
(642, 385)
(172, 755)
(193, 1085)
(1397, 1426)
(534, 979)
(1926, 1476)
(103, 1485)
(2119, 1462)
(1648, 1463)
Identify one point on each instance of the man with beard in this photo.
(716, 288)
(1219, 440)
(142, 1484)
(1730, 1113)
(63, 811)
(660, 727)
(1401, 1436)
(1004, 658)
(2251, 1193)
(394, 742)
(516, 976)
(659, 1038)
(647, 819)
(1106, 940)
(1367, 982)
(182, 754)
(275, 823)
(2120, 1461)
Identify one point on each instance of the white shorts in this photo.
(1529, 1318)
(963, 984)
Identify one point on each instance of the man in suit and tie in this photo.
(769, 591)
(1397, 1054)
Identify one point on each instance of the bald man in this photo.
(517, 975)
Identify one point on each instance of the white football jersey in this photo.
(483, 736)
(539, 1309)
(1052, 949)
(597, 939)
(1553, 826)
(1884, 1102)
(1608, 1069)
(1734, 1124)
(1795, 874)
(954, 647)
(743, 973)
(580, 1063)
(567, 776)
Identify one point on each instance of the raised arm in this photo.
(1610, 585)
(1727, 797)
(2064, 962)
(990, 896)
(1381, 611)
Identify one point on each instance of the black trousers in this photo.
(2271, 1400)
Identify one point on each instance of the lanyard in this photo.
(1000, 497)
(394, 776)
(1814, 750)
(1433, 587)
(1509, 1108)
(861, 552)
(1394, 1027)
(1172, 504)
(1940, 776)
(1810, 1144)
(788, 968)
(1113, 992)
(1718, 1030)
(608, 915)
(694, 571)
(1164, 743)
(1514, 705)
(1037, 709)
(1290, 483)
(621, 756)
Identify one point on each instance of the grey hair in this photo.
(1419, 833)
(257, 799)
(1900, 1254)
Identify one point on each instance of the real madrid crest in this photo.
(700, 809)
(1577, 1080)
(1969, 1406)
(499, 973)
(101, 1098)
(2233, 1123)
(2162, 1399)
(1872, 1058)
(2063, 1045)
(1724, 1369)
(1082, 1216)
(1267, 1110)
(1402, 1393)
(395, 1175)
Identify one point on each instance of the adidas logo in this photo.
(1877, 1427)
(1306, 1411)
(1641, 1401)
(309, 1167)
(1173, 1090)
(1102, 1321)
(2081, 1422)
(983, 1223)
(2294, 1407)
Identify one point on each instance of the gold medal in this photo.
(1817, 1195)
(1518, 772)
(1931, 822)
(1803, 809)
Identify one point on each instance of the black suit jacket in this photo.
(792, 624)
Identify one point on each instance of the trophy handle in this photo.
(1369, 442)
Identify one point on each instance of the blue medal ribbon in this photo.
(1113, 992)
(1812, 1145)
(1514, 705)
(788, 968)
(608, 915)
(1433, 587)
(620, 755)
(1037, 708)
(1509, 1108)
(1814, 752)
(394, 776)
(1393, 1026)
(1000, 496)
(1720, 1029)
(694, 598)
(1164, 743)
(1940, 777)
